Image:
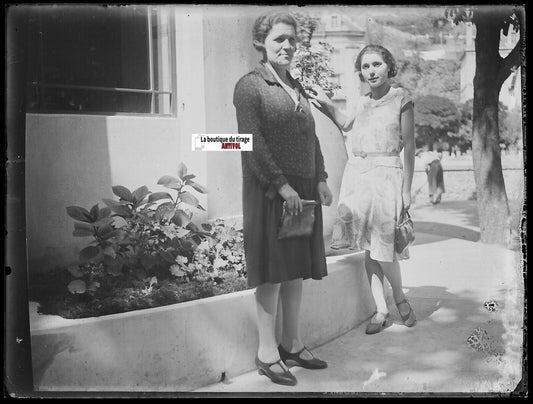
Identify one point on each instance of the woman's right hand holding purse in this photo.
(293, 202)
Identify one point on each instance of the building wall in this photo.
(229, 55)
(76, 159)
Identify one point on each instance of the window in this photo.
(100, 59)
(334, 21)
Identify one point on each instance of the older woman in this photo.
(286, 166)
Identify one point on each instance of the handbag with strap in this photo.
(405, 232)
(300, 225)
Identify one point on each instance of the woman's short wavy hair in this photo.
(264, 23)
(385, 54)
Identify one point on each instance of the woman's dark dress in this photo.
(285, 150)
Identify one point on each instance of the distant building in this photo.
(347, 39)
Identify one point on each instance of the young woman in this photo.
(286, 165)
(376, 186)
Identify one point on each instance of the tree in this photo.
(491, 72)
(435, 117)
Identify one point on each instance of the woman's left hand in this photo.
(406, 200)
(325, 194)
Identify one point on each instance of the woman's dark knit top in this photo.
(284, 138)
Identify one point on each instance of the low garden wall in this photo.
(188, 345)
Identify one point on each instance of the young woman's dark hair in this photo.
(385, 54)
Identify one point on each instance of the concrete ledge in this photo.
(188, 345)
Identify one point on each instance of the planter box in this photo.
(185, 346)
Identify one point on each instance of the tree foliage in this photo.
(435, 118)
(426, 77)
(509, 123)
(311, 61)
(510, 126)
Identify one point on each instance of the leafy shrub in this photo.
(145, 252)
(142, 235)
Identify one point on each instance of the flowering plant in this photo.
(216, 258)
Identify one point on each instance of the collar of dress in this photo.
(268, 76)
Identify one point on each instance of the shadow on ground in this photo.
(457, 345)
(465, 211)
(429, 232)
(425, 233)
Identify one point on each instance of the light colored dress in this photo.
(370, 197)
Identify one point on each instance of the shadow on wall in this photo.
(67, 163)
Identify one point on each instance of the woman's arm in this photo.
(323, 190)
(342, 120)
(408, 135)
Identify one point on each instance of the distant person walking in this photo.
(435, 174)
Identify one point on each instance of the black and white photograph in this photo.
(265, 201)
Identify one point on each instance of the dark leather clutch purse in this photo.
(300, 225)
(405, 232)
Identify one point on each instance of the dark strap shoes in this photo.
(314, 363)
(286, 377)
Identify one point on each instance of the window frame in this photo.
(152, 11)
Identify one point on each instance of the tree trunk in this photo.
(493, 206)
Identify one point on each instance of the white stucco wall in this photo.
(75, 160)
(228, 56)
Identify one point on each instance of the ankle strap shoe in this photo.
(374, 328)
(286, 377)
(410, 318)
(314, 363)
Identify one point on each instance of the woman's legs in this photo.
(393, 274)
(375, 277)
(266, 297)
(291, 299)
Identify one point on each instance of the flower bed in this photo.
(145, 252)
(217, 266)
